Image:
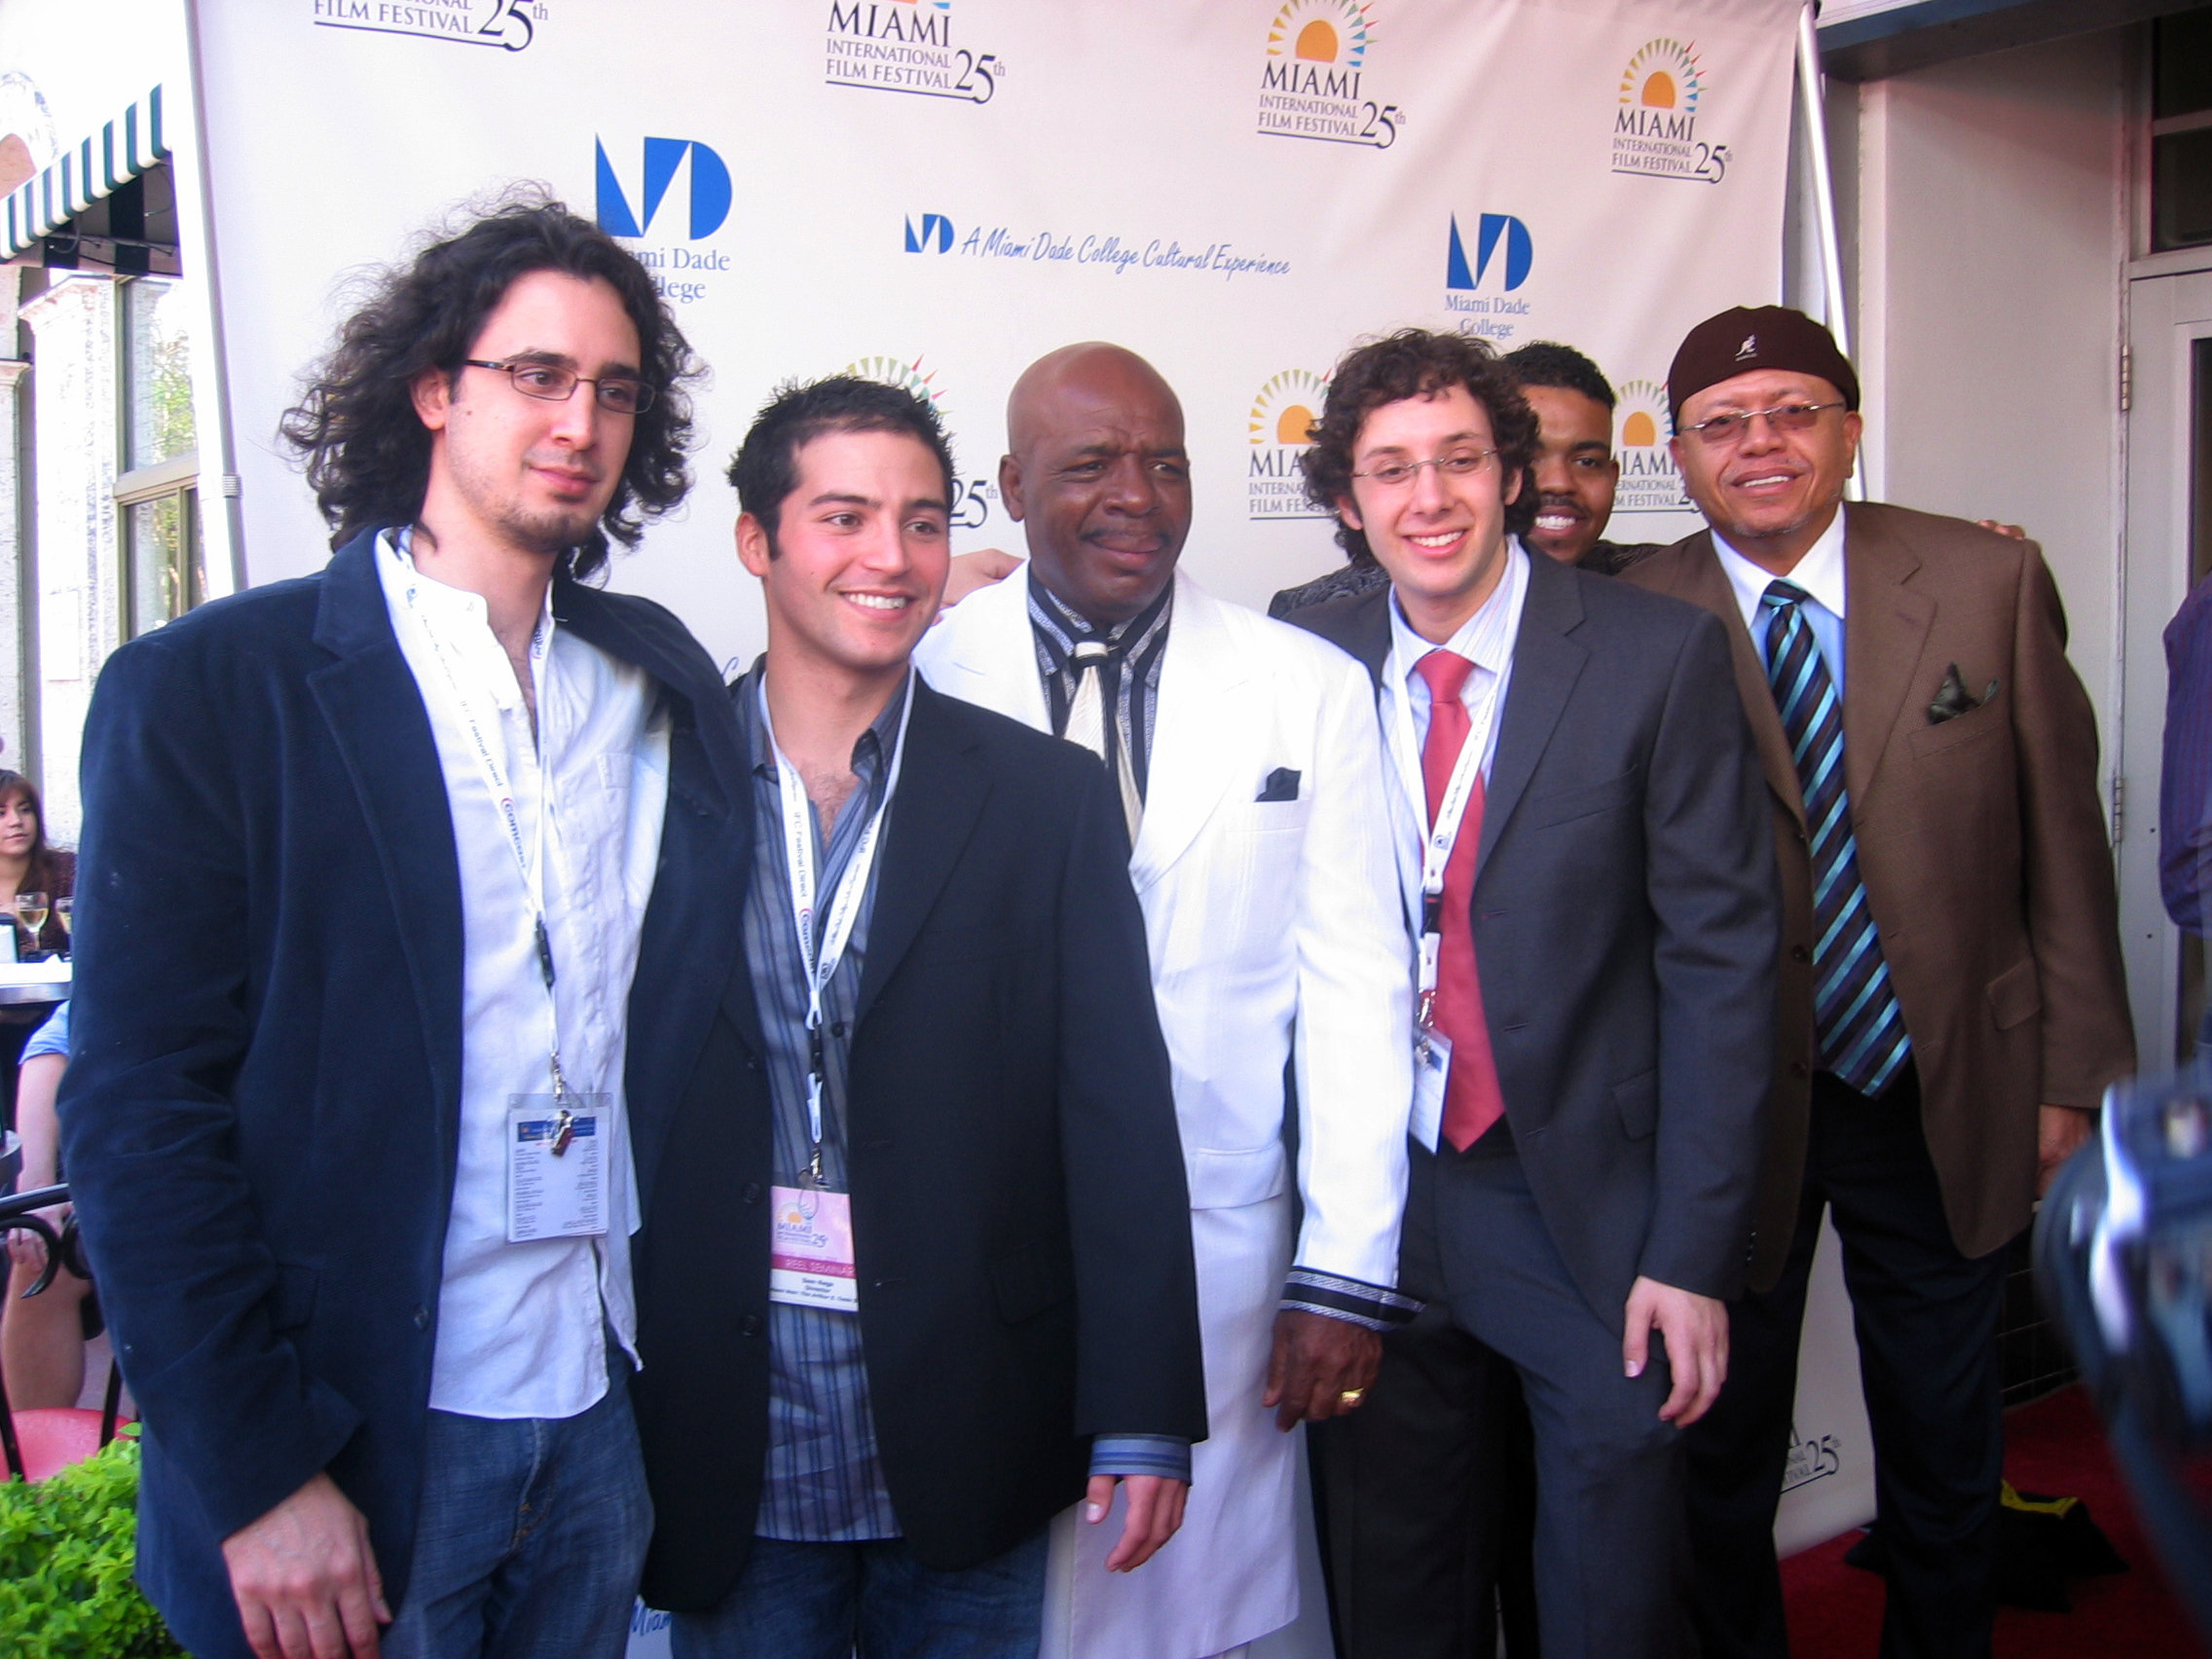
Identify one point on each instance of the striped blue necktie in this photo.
(1860, 1029)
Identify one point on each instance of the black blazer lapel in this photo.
(377, 719)
(1546, 664)
(1359, 627)
(691, 949)
(941, 792)
(648, 638)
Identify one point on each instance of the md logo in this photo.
(1496, 228)
(935, 235)
(664, 157)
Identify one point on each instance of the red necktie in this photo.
(1473, 1098)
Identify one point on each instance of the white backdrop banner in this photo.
(940, 190)
(937, 191)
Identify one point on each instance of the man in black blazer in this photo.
(364, 882)
(918, 1259)
(1585, 862)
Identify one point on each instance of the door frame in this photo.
(2167, 312)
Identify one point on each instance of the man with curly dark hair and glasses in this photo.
(397, 922)
(1951, 998)
(1586, 868)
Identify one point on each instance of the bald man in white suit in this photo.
(1251, 777)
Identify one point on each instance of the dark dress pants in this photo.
(1926, 1319)
(1411, 1483)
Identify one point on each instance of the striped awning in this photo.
(103, 164)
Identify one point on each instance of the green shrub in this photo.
(66, 1549)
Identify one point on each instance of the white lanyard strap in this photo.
(529, 862)
(820, 958)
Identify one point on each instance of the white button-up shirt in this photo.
(1819, 573)
(1486, 639)
(522, 1327)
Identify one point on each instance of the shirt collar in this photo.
(1484, 639)
(870, 748)
(1063, 627)
(1820, 572)
(456, 619)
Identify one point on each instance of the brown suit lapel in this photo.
(1885, 629)
(1706, 583)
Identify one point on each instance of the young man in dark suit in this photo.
(919, 1265)
(1587, 871)
(1952, 1003)
(364, 940)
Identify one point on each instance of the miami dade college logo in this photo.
(935, 235)
(1484, 290)
(905, 46)
(678, 272)
(510, 24)
(1313, 81)
(1655, 124)
(972, 497)
(1280, 430)
(1649, 483)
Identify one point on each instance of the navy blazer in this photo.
(1626, 917)
(1019, 1213)
(261, 1113)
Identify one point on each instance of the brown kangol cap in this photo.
(1756, 337)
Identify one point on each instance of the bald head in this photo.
(1097, 476)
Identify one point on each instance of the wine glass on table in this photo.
(31, 912)
(62, 909)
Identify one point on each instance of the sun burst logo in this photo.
(1287, 407)
(1642, 413)
(1312, 80)
(1649, 483)
(1656, 116)
(1323, 31)
(1279, 429)
(1664, 74)
(897, 371)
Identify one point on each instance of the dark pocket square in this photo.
(1281, 785)
(1954, 699)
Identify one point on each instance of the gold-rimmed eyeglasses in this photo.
(1725, 430)
(1459, 463)
(550, 382)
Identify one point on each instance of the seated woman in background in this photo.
(41, 1339)
(28, 865)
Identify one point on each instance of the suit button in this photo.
(752, 1193)
(1800, 834)
(752, 1063)
(421, 1317)
(750, 1326)
(1797, 1068)
(1798, 953)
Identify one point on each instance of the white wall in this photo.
(1991, 232)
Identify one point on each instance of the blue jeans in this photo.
(532, 1535)
(832, 1601)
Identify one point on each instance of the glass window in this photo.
(2182, 83)
(165, 562)
(157, 372)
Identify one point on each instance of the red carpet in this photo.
(2052, 1446)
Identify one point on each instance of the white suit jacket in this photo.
(1272, 923)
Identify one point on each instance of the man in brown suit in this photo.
(1952, 1003)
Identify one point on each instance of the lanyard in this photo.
(820, 957)
(1444, 834)
(530, 862)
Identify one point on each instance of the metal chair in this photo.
(43, 1440)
